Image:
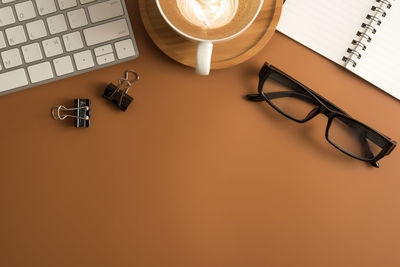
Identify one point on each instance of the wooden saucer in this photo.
(225, 54)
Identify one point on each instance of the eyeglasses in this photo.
(299, 103)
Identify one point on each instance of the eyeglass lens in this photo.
(288, 97)
(354, 138)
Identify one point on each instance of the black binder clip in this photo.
(81, 113)
(119, 94)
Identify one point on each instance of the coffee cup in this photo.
(208, 21)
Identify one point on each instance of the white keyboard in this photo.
(47, 40)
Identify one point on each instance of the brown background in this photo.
(192, 174)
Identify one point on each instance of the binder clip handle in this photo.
(127, 83)
(59, 116)
(130, 82)
(81, 113)
(119, 94)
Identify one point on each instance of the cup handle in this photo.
(204, 52)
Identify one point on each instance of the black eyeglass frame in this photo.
(325, 107)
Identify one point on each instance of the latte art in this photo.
(208, 14)
(209, 19)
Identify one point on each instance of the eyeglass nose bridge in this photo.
(327, 111)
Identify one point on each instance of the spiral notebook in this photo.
(361, 35)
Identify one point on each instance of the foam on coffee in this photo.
(210, 19)
(208, 14)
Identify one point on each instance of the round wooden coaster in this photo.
(225, 54)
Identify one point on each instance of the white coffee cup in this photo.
(205, 46)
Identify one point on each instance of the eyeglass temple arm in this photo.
(290, 84)
(273, 95)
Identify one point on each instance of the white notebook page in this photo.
(325, 26)
(380, 62)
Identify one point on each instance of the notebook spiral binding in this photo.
(367, 29)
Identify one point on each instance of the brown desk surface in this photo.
(193, 175)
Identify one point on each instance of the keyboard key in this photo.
(106, 32)
(52, 47)
(46, 7)
(2, 41)
(73, 41)
(104, 59)
(65, 4)
(77, 18)
(86, 1)
(40, 72)
(103, 50)
(63, 65)
(32, 52)
(57, 24)
(84, 60)
(105, 10)
(125, 49)
(25, 10)
(6, 16)
(16, 35)
(13, 79)
(11, 58)
(36, 29)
